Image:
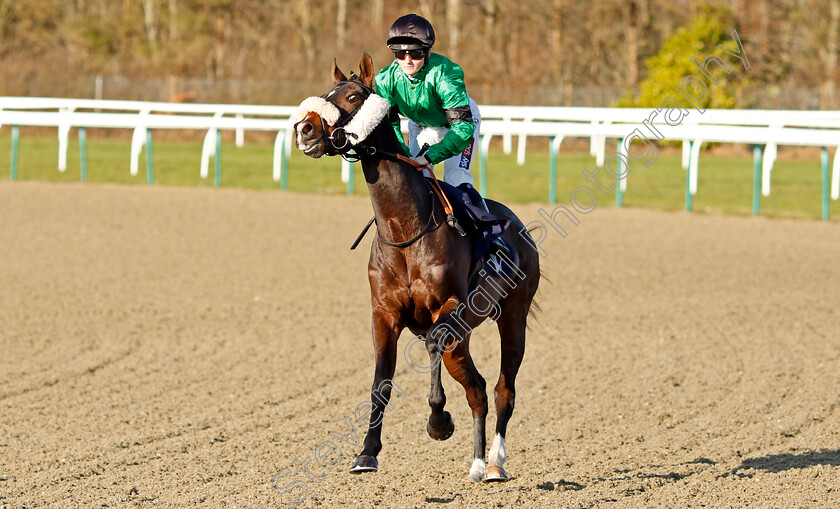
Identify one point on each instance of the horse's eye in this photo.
(353, 98)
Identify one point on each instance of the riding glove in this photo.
(421, 159)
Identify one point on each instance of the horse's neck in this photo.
(401, 200)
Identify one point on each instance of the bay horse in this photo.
(418, 271)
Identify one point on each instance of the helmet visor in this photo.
(406, 43)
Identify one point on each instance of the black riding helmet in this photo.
(411, 32)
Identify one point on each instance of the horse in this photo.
(419, 271)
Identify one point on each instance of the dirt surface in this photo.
(167, 347)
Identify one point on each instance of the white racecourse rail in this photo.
(768, 128)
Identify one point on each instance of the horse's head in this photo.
(336, 121)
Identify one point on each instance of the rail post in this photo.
(82, 154)
(688, 171)
(150, 167)
(825, 184)
(15, 146)
(218, 158)
(756, 179)
(552, 173)
(619, 192)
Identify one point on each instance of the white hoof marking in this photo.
(498, 454)
(476, 472)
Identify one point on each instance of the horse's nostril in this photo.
(306, 128)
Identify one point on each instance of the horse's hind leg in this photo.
(512, 330)
(460, 365)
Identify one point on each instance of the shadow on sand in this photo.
(775, 463)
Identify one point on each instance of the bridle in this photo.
(335, 137)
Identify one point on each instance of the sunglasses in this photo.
(415, 54)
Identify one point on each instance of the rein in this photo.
(433, 182)
(426, 229)
(406, 243)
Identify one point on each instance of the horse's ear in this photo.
(337, 74)
(366, 67)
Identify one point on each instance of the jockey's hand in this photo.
(422, 160)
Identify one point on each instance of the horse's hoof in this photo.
(443, 432)
(472, 478)
(495, 473)
(364, 463)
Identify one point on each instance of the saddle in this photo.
(476, 221)
(483, 228)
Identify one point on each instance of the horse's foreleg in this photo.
(385, 345)
(440, 425)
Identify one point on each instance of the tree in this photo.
(668, 68)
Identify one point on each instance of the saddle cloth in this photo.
(480, 225)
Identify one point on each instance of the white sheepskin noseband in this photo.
(325, 110)
(365, 120)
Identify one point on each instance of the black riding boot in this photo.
(476, 198)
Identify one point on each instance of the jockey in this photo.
(429, 89)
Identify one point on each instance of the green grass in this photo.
(725, 183)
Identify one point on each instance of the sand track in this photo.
(167, 347)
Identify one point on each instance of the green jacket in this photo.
(435, 97)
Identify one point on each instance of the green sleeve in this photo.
(453, 94)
